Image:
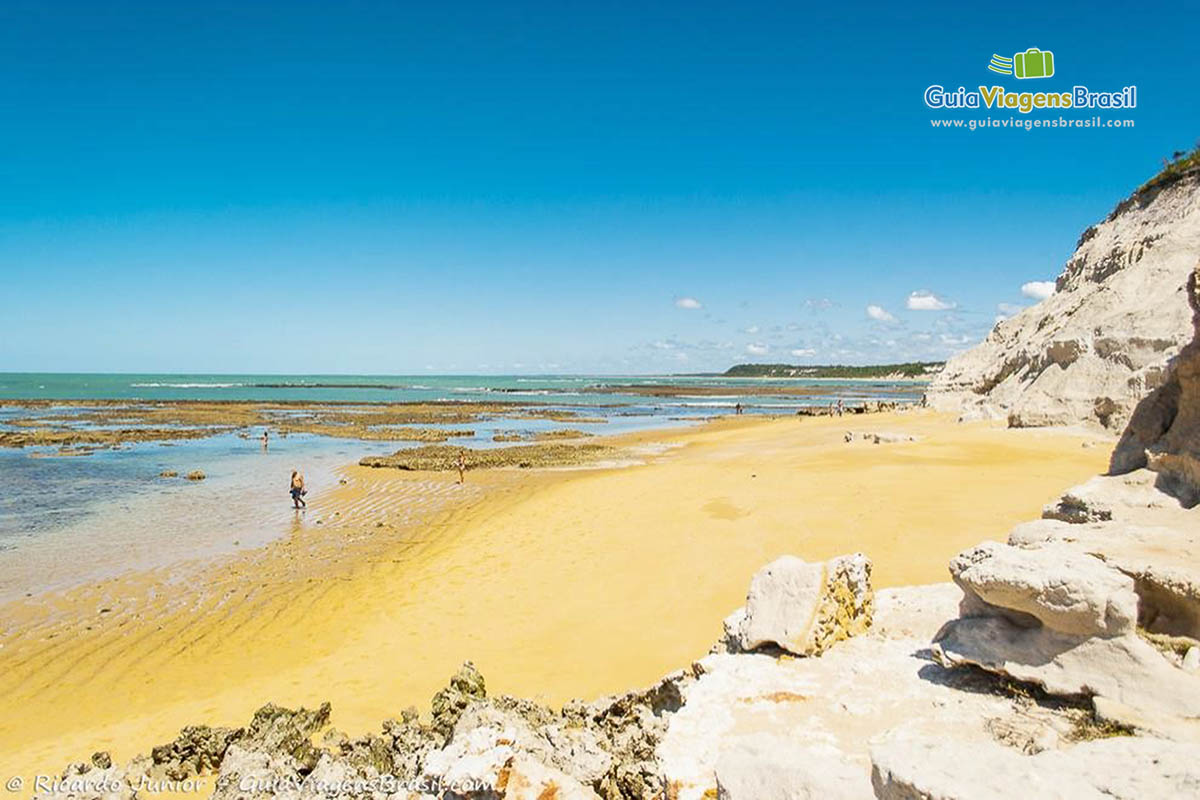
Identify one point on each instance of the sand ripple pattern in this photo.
(365, 501)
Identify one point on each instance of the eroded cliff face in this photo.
(1101, 343)
(1164, 432)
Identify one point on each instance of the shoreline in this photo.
(378, 625)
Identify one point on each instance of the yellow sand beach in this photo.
(556, 583)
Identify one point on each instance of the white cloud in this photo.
(925, 300)
(690, 303)
(879, 313)
(818, 304)
(757, 349)
(1009, 309)
(1038, 290)
(662, 345)
(753, 329)
(804, 352)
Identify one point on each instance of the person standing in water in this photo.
(297, 490)
(264, 438)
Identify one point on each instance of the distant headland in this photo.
(909, 370)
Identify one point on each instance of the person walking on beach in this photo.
(297, 490)
(738, 409)
(461, 464)
(841, 407)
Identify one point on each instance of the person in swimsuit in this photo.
(264, 438)
(297, 490)
(461, 463)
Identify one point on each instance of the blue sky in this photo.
(371, 187)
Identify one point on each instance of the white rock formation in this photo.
(1052, 614)
(1091, 351)
(759, 726)
(804, 608)
(485, 762)
(1119, 768)
(1062, 588)
(776, 770)
(1164, 433)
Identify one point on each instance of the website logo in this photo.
(1033, 63)
(1028, 64)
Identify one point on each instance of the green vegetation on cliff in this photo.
(913, 369)
(1180, 164)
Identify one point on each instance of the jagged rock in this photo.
(783, 771)
(449, 703)
(536, 731)
(278, 730)
(805, 608)
(1120, 768)
(196, 475)
(1100, 343)
(632, 725)
(198, 750)
(1164, 432)
(249, 774)
(484, 763)
(1060, 587)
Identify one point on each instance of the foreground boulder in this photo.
(1059, 587)
(804, 608)
(1162, 559)
(1094, 349)
(1066, 621)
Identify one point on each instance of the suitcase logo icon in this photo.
(1033, 63)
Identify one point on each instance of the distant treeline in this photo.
(913, 369)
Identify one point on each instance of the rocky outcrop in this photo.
(1164, 433)
(1100, 344)
(475, 748)
(1055, 587)
(1059, 607)
(804, 608)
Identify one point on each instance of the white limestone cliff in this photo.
(1092, 350)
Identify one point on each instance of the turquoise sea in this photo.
(557, 389)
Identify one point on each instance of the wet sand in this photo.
(557, 583)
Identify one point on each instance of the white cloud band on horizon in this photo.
(925, 300)
(1038, 290)
(804, 352)
(880, 314)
